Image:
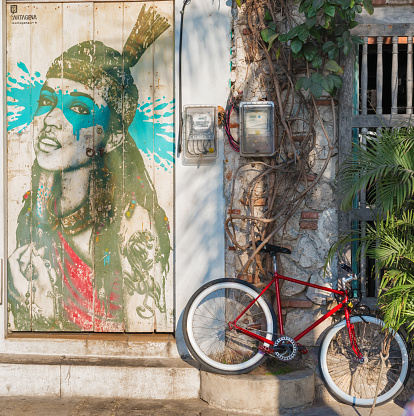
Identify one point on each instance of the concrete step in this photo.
(259, 394)
(97, 344)
(98, 377)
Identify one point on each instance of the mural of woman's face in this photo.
(70, 120)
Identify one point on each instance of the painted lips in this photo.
(48, 144)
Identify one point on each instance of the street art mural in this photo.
(90, 168)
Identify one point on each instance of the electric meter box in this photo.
(257, 128)
(199, 134)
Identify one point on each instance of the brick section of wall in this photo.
(246, 277)
(296, 304)
(308, 225)
(309, 215)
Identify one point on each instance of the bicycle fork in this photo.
(352, 337)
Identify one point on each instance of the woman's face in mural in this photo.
(69, 123)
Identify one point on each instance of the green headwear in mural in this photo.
(118, 183)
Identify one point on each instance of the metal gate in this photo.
(90, 107)
(377, 94)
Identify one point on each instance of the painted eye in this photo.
(80, 109)
(45, 101)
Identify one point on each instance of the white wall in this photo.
(199, 198)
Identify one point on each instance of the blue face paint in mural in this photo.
(152, 128)
(78, 108)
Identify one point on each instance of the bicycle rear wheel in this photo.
(354, 383)
(206, 332)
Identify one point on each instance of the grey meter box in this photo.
(257, 128)
(199, 134)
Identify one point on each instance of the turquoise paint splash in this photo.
(22, 98)
(152, 128)
(153, 132)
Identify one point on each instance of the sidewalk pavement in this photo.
(27, 406)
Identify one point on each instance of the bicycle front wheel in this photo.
(207, 334)
(354, 383)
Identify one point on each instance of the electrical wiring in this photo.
(232, 103)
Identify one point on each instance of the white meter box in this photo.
(199, 134)
(257, 128)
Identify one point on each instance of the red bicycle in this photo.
(231, 328)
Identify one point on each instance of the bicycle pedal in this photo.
(302, 349)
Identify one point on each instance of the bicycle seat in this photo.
(272, 249)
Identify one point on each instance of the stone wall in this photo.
(312, 229)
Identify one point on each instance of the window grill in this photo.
(377, 94)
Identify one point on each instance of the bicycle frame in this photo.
(275, 280)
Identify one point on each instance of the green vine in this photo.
(319, 40)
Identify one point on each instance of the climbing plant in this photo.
(325, 31)
(294, 49)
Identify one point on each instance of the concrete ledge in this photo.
(77, 344)
(256, 394)
(98, 377)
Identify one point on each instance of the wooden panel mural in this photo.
(90, 111)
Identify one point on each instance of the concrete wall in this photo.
(199, 200)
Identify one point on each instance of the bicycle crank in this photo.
(285, 348)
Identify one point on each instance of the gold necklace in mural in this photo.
(73, 223)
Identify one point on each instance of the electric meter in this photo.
(199, 135)
(257, 128)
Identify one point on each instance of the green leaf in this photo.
(304, 5)
(353, 24)
(347, 47)
(298, 84)
(272, 25)
(329, 9)
(278, 52)
(368, 6)
(315, 34)
(337, 80)
(327, 46)
(317, 4)
(266, 34)
(292, 32)
(316, 77)
(311, 12)
(238, 3)
(358, 8)
(316, 89)
(298, 55)
(268, 16)
(345, 4)
(333, 53)
(346, 35)
(272, 39)
(327, 21)
(296, 45)
(306, 83)
(284, 37)
(349, 15)
(302, 33)
(317, 62)
(310, 22)
(327, 85)
(310, 51)
(357, 39)
(339, 29)
(332, 66)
